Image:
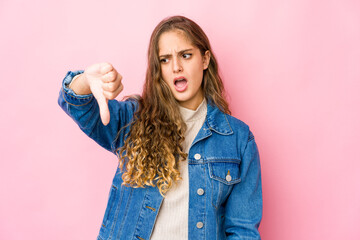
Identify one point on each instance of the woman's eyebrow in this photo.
(179, 53)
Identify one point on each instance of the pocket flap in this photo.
(225, 172)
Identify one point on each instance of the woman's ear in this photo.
(206, 59)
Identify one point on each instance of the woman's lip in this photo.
(178, 78)
(182, 88)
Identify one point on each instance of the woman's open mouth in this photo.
(180, 84)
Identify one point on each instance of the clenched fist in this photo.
(104, 82)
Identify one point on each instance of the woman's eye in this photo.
(187, 55)
(164, 60)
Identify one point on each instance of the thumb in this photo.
(104, 110)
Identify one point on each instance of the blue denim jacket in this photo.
(225, 196)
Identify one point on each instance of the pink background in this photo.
(292, 71)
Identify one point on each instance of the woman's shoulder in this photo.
(240, 127)
(237, 123)
(226, 123)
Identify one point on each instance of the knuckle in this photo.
(107, 86)
(107, 64)
(111, 86)
(104, 86)
(108, 95)
(111, 75)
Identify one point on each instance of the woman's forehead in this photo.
(174, 40)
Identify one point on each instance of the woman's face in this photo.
(182, 67)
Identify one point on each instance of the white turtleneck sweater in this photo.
(172, 219)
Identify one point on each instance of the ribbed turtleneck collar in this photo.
(189, 115)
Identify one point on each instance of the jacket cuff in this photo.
(69, 95)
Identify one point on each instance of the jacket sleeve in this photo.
(84, 110)
(243, 211)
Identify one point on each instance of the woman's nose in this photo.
(177, 67)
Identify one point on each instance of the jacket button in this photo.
(228, 178)
(199, 225)
(197, 156)
(200, 191)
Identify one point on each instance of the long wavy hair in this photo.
(152, 148)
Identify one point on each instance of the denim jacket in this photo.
(225, 195)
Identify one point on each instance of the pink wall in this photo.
(292, 70)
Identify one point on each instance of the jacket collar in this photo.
(217, 121)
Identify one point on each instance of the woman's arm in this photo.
(104, 82)
(85, 108)
(243, 211)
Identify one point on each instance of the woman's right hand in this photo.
(104, 82)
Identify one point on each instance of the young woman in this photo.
(187, 169)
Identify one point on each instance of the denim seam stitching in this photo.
(122, 223)
(205, 208)
(137, 223)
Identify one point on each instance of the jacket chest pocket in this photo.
(223, 176)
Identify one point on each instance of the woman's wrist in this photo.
(80, 85)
